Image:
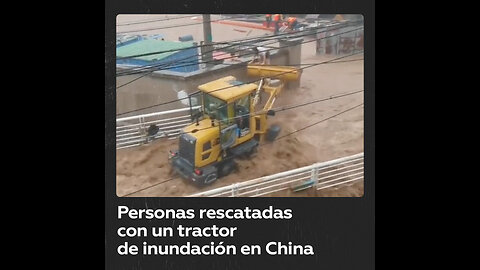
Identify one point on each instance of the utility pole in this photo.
(207, 36)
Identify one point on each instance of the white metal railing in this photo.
(319, 176)
(133, 130)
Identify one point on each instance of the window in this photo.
(242, 105)
(242, 113)
(215, 107)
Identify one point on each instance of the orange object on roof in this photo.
(276, 17)
(221, 55)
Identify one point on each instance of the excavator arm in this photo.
(272, 82)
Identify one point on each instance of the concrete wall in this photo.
(293, 47)
(341, 43)
(163, 86)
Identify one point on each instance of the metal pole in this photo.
(355, 42)
(207, 36)
(314, 176)
(338, 44)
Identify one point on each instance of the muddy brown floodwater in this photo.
(147, 166)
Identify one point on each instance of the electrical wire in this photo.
(276, 139)
(220, 89)
(154, 20)
(285, 108)
(146, 74)
(153, 68)
(278, 110)
(142, 189)
(171, 26)
(318, 122)
(224, 88)
(163, 65)
(129, 82)
(251, 39)
(149, 72)
(167, 64)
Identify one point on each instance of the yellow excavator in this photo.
(230, 123)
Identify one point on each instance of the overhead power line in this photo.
(181, 60)
(251, 39)
(142, 189)
(224, 88)
(154, 20)
(276, 139)
(146, 74)
(286, 108)
(129, 82)
(318, 122)
(166, 27)
(163, 66)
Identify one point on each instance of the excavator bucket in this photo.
(284, 73)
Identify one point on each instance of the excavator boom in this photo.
(283, 73)
(269, 74)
